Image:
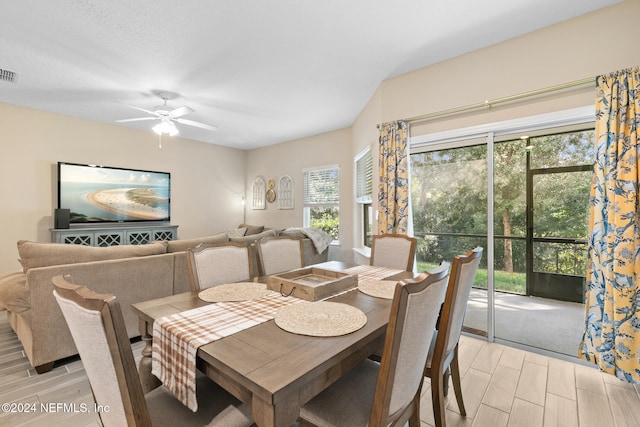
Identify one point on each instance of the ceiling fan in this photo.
(167, 116)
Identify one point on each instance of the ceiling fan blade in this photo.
(137, 108)
(139, 119)
(197, 124)
(180, 111)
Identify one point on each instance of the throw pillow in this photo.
(252, 229)
(34, 254)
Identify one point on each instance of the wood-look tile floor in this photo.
(502, 386)
(507, 387)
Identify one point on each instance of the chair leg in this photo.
(414, 419)
(445, 382)
(457, 387)
(437, 397)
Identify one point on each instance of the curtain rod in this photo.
(489, 103)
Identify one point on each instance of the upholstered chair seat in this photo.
(216, 407)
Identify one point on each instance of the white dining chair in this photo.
(388, 393)
(218, 263)
(393, 251)
(278, 254)
(97, 327)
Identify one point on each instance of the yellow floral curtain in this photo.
(612, 327)
(393, 188)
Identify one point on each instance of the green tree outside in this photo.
(449, 188)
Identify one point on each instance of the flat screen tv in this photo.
(96, 194)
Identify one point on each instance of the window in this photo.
(364, 174)
(367, 225)
(364, 178)
(322, 199)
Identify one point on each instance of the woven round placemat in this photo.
(240, 291)
(320, 318)
(378, 288)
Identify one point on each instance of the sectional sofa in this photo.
(132, 273)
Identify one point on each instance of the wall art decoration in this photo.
(258, 194)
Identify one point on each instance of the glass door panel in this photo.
(541, 195)
(509, 216)
(510, 231)
(449, 203)
(559, 233)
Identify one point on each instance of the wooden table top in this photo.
(276, 371)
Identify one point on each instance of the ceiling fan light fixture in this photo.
(166, 126)
(168, 116)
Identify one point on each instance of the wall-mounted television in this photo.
(96, 194)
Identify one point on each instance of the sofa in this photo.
(133, 273)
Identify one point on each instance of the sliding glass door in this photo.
(535, 189)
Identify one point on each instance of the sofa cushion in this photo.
(252, 229)
(34, 254)
(14, 295)
(184, 244)
(252, 238)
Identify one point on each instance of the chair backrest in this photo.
(393, 251)
(463, 273)
(98, 330)
(414, 311)
(218, 263)
(278, 254)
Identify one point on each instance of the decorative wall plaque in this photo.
(285, 192)
(259, 187)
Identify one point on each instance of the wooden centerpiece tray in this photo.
(311, 283)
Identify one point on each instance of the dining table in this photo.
(268, 368)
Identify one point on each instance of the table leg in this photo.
(266, 414)
(148, 380)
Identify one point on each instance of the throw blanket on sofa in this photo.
(320, 239)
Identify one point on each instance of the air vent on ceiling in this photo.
(8, 76)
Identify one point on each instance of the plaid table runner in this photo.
(176, 338)
(372, 272)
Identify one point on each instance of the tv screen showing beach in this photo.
(108, 194)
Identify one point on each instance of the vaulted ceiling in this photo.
(264, 72)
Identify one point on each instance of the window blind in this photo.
(364, 177)
(321, 186)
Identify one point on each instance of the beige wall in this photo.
(290, 158)
(207, 180)
(593, 44)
